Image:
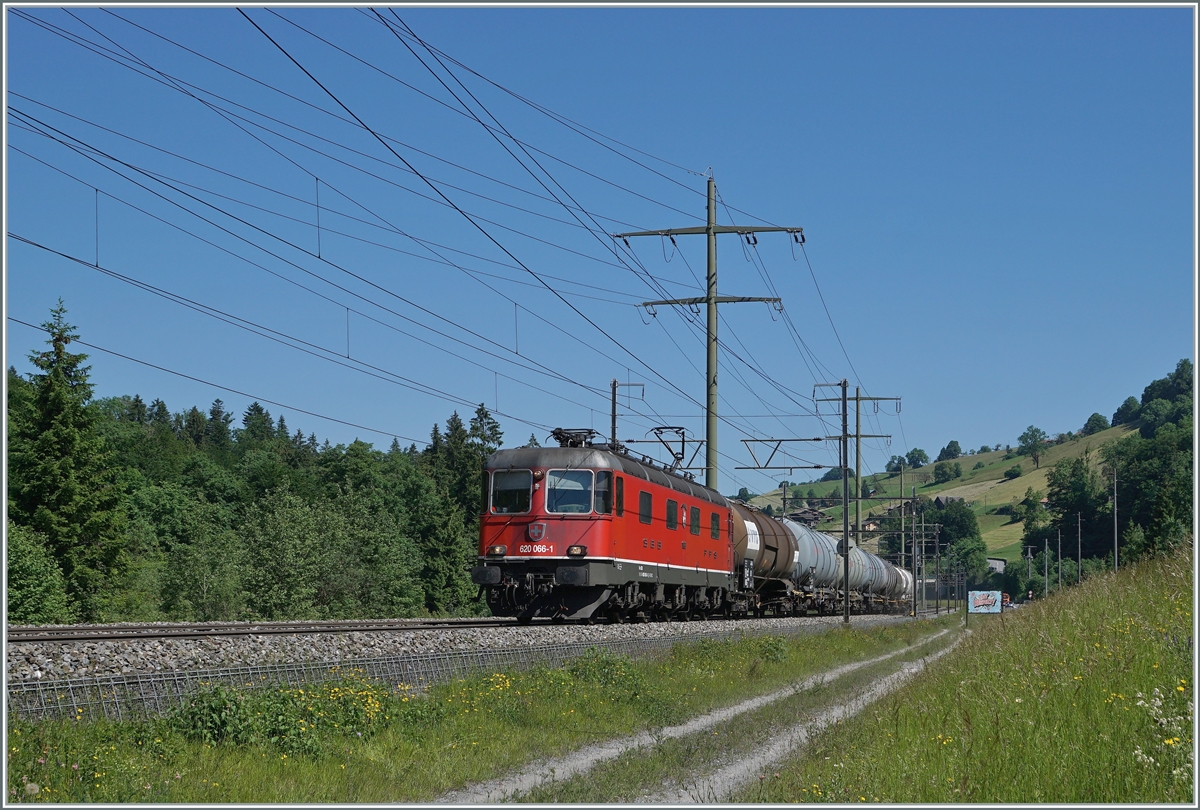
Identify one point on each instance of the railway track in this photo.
(141, 632)
(126, 632)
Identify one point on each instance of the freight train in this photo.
(586, 531)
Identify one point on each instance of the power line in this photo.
(289, 262)
(276, 335)
(100, 50)
(343, 289)
(225, 388)
(467, 217)
(209, 205)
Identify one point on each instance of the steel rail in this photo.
(129, 632)
(29, 634)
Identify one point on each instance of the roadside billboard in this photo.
(983, 601)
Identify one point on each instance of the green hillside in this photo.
(985, 489)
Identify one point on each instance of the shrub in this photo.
(37, 591)
(1013, 472)
(979, 465)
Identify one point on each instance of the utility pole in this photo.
(1046, 565)
(845, 504)
(1058, 562)
(711, 299)
(858, 484)
(859, 399)
(901, 514)
(1079, 548)
(914, 549)
(845, 461)
(1115, 517)
(937, 569)
(924, 586)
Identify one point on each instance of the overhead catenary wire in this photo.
(327, 229)
(502, 129)
(278, 336)
(91, 157)
(376, 135)
(475, 224)
(323, 223)
(366, 63)
(225, 388)
(159, 72)
(307, 252)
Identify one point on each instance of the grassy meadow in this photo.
(353, 740)
(1086, 696)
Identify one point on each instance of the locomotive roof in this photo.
(599, 458)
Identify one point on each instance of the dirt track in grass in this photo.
(728, 777)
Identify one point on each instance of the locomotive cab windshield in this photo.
(579, 492)
(512, 491)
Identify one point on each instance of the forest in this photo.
(119, 510)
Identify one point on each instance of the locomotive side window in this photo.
(672, 514)
(511, 491)
(645, 507)
(716, 526)
(569, 491)
(695, 524)
(485, 486)
(620, 499)
(603, 503)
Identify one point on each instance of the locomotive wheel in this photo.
(523, 620)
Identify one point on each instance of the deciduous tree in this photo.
(1032, 443)
(917, 458)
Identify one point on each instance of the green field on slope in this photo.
(985, 489)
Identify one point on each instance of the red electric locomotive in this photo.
(584, 532)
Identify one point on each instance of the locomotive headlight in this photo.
(497, 551)
(576, 551)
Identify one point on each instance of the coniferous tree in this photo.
(257, 426)
(61, 482)
(194, 426)
(218, 438)
(136, 412)
(159, 416)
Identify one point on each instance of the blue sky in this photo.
(998, 206)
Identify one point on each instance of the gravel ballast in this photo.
(85, 659)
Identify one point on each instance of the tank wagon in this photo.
(587, 531)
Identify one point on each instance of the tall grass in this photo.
(1083, 697)
(354, 740)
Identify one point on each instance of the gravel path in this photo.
(583, 760)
